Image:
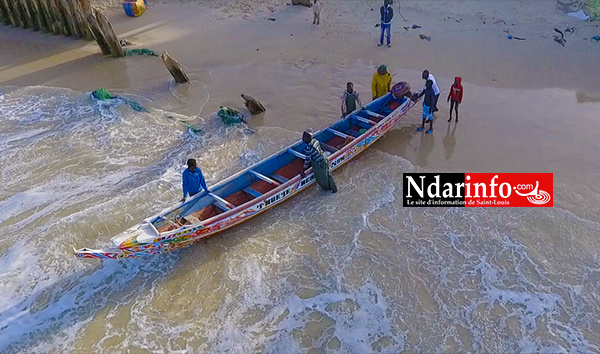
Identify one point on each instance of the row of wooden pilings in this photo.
(76, 18)
(57, 16)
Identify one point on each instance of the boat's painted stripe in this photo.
(264, 178)
(373, 114)
(338, 133)
(364, 120)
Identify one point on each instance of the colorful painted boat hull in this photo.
(177, 239)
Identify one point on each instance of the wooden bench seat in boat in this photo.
(262, 187)
(291, 170)
(207, 212)
(376, 117)
(240, 197)
(339, 142)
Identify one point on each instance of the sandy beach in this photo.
(530, 105)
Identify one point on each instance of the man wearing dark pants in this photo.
(387, 13)
(319, 162)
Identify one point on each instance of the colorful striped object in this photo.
(135, 8)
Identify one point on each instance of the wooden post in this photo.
(98, 35)
(109, 34)
(14, 13)
(61, 18)
(42, 18)
(49, 14)
(4, 17)
(174, 68)
(82, 23)
(67, 18)
(25, 15)
(53, 13)
(34, 13)
(104, 34)
(77, 27)
(86, 8)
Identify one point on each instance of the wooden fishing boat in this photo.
(255, 189)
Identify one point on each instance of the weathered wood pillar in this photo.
(25, 15)
(174, 68)
(3, 14)
(104, 34)
(42, 18)
(73, 6)
(61, 18)
(97, 32)
(82, 23)
(109, 34)
(67, 22)
(47, 9)
(15, 17)
(34, 13)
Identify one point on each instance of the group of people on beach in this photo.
(193, 179)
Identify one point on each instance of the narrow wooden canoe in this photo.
(255, 189)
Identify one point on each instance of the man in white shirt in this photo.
(436, 90)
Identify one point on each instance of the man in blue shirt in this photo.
(193, 179)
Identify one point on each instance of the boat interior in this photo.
(274, 170)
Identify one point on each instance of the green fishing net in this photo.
(140, 51)
(230, 116)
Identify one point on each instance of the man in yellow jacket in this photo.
(381, 83)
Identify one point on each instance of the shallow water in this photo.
(371, 276)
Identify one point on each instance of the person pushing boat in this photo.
(382, 80)
(192, 180)
(319, 162)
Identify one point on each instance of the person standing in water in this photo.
(455, 96)
(319, 162)
(350, 99)
(192, 180)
